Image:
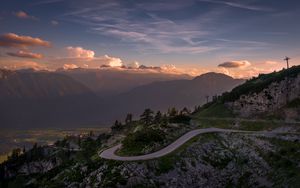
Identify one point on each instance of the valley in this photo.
(27, 138)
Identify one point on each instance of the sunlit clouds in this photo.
(23, 64)
(23, 15)
(79, 52)
(235, 64)
(25, 54)
(133, 65)
(238, 38)
(14, 40)
(70, 66)
(245, 69)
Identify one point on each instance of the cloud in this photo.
(149, 67)
(158, 32)
(239, 5)
(84, 56)
(168, 67)
(133, 65)
(80, 52)
(17, 64)
(113, 61)
(41, 2)
(25, 54)
(151, 33)
(272, 63)
(252, 69)
(24, 15)
(70, 66)
(235, 64)
(54, 22)
(14, 40)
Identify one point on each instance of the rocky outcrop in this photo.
(270, 99)
(214, 160)
(38, 167)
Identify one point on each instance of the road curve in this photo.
(110, 153)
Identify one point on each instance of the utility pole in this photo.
(287, 80)
(207, 98)
(287, 61)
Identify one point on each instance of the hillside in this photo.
(223, 150)
(274, 95)
(176, 93)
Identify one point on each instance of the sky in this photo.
(235, 37)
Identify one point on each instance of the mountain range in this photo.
(111, 82)
(81, 97)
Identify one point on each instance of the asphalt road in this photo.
(110, 153)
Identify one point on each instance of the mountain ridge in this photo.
(34, 98)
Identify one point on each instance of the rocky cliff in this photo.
(272, 98)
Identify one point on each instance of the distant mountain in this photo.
(43, 99)
(108, 82)
(58, 99)
(177, 93)
(31, 84)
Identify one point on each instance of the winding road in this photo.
(110, 153)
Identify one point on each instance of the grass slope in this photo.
(257, 84)
(214, 110)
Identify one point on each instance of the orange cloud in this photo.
(17, 64)
(113, 61)
(235, 64)
(87, 62)
(25, 54)
(23, 15)
(80, 52)
(252, 69)
(70, 66)
(14, 40)
(86, 58)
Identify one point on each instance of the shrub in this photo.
(180, 119)
(134, 143)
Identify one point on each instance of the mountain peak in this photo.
(213, 75)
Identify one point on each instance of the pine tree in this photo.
(158, 117)
(117, 126)
(184, 111)
(164, 120)
(172, 112)
(128, 118)
(147, 116)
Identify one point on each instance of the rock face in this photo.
(272, 98)
(38, 167)
(213, 160)
(32, 165)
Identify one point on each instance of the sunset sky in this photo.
(239, 38)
